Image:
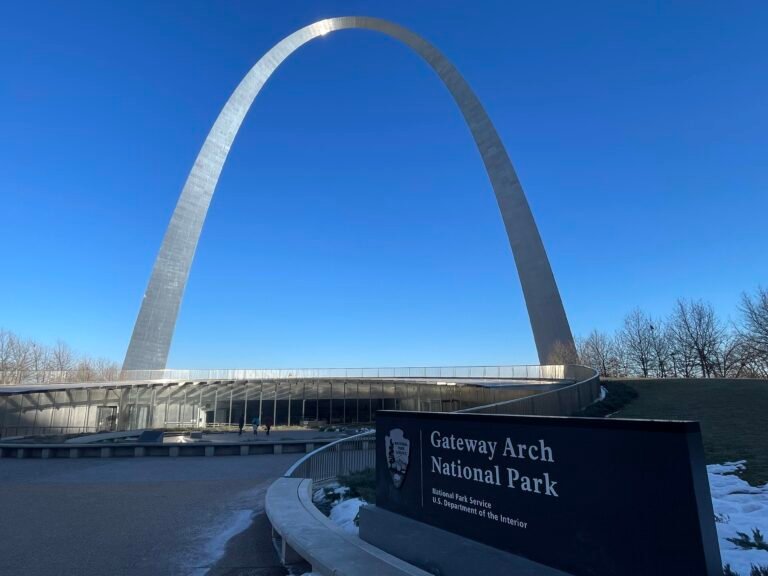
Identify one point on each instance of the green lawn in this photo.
(733, 416)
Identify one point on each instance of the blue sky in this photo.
(354, 224)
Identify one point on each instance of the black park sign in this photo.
(585, 495)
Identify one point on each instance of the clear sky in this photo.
(354, 224)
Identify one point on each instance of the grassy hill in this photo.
(733, 416)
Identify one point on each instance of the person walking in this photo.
(255, 424)
(240, 424)
(268, 425)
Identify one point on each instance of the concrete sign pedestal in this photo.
(439, 551)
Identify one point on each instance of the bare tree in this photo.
(39, 362)
(563, 354)
(754, 312)
(62, 358)
(599, 351)
(731, 357)
(84, 370)
(23, 361)
(636, 336)
(696, 333)
(106, 370)
(5, 357)
(661, 350)
(755, 365)
(684, 361)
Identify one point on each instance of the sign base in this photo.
(441, 552)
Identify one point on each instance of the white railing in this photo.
(515, 372)
(339, 458)
(562, 401)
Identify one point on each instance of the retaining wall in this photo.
(138, 449)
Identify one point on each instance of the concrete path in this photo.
(165, 516)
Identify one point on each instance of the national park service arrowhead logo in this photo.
(398, 450)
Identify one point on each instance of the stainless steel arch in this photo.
(152, 334)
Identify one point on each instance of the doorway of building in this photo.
(106, 418)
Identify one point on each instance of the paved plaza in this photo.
(280, 435)
(164, 516)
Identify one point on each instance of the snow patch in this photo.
(341, 491)
(318, 495)
(738, 507)
(208, 543)
(217, 545)
(322, 494)
(344, 513)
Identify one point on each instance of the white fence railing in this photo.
(521, 372)
(345, 456)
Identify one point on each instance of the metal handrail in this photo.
(344, 456)
(511, 406)
(508, 371)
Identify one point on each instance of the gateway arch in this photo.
(153, 332)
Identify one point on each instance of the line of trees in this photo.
(24, 361)
(692, 342)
